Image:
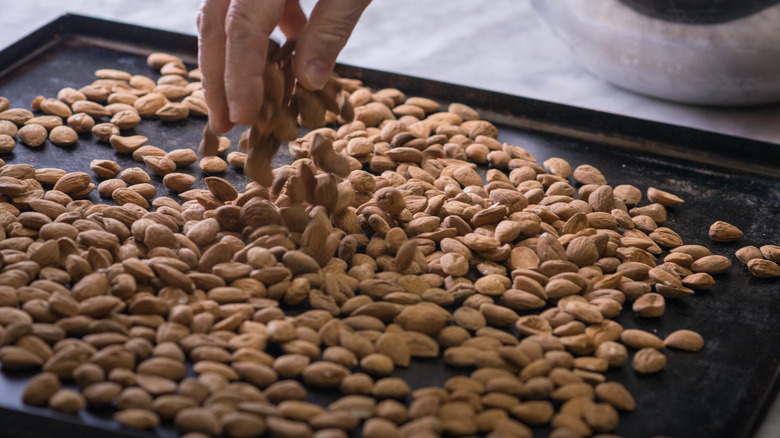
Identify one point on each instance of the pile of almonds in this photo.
(284, 102)
(380, 245)
(761, 262)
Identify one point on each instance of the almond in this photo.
(127, 145)
(711, 264)
(73, 182)
(724, 232)
(182, 157)
(173, 112)
(40, 389)
(648, 361)
(126, 119)
(93, 109)
(7, 144)
(664, 198)
(18, 116)
(69, 95)
(105, 168)
(33, 135)
(137, 418)
(213, 164)
(771, 252)
(160, 165)
(149, 104)
(56, 108)
(196, 106)
(103, 131)
(684, 340)
(178, 182)
(63, 136)
(764, 268)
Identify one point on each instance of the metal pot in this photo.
(731, 62)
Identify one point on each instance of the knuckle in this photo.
(239, 25)
(333, 37)
(208, 20)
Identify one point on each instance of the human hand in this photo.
(233, 47)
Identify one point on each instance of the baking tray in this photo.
(722, 391)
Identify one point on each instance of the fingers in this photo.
(248, 25)
(211, 60)
(293, 19)
(322, 38)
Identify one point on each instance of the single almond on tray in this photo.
(69, 95)
(8, 128)
(212, 164)
(147, 151)
(149, 104)
(16, 115)
(771, 252)
(182, 157)
(94, 109)
(135, 175)
(122, 97)
(146, 190)
(48, 122)
(748, 253)
(711, 264)
(684, 340)
(126, 119)
(105, 168)
(127, 144)
(664, 198)
(178, 182)
(221, 188)
(95, 93)
(648, 361)
(107, 187)
(237, 159)
(32, 135)
(110, 73)
(173, 112)
(49, 175)
(7, 144)
(81, 122)
(160, 165)
(196, 106)
(63, 136)
(157, 60)
(56, 107)
(173, 93)
(137, 418)
(104, 131)
(40, 388)
(724, 232)
(764, 268)
(124, 196)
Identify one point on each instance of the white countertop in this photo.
(498, 45)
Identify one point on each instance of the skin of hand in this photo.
(233, 44)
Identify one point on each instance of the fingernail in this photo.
(317, 73)
(233, 111)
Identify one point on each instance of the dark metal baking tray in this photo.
(722, 391)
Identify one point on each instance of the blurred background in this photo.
(500, 45)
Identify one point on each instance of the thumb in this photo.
(322, 38)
